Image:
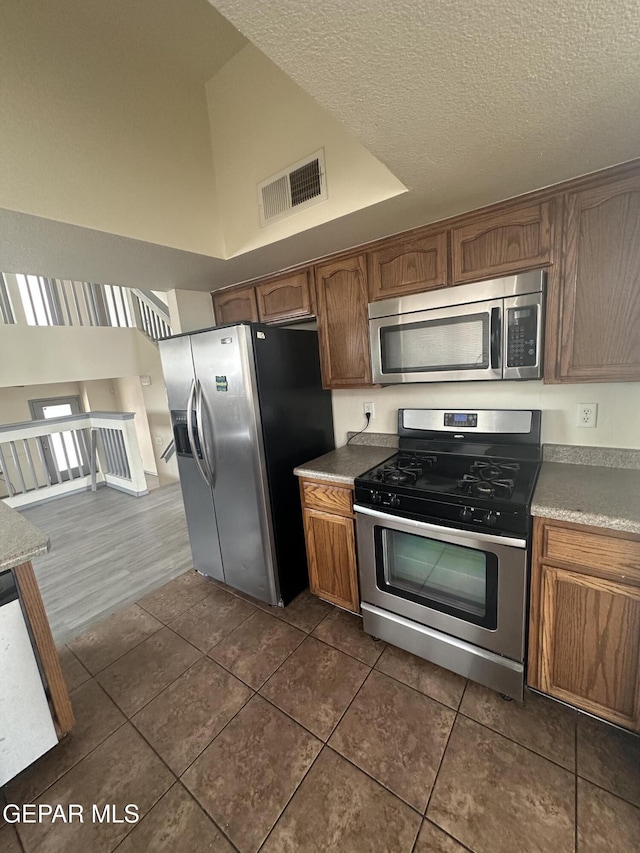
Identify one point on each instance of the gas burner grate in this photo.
(493, 469)
(481, 487)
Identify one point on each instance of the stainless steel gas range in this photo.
(443, 533)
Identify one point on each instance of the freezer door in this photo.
(232, 438)
(177, 366)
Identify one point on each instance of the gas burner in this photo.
(412, 460)
(494, 470)
(401, 475)
(485, 488)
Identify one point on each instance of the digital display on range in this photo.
(461, 419)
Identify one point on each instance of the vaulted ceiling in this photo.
(464, 103)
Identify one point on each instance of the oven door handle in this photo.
(437, 528)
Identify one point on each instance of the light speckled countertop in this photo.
(345, 464)
(589, 494)
(20, 540)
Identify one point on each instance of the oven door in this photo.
(438, 345)
(468, 584)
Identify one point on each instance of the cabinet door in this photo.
(410, 266)
(331, 552)
(587, 643)
(343, 323)
(502, 243)
(600, 299)
(285, 298)
(235, 305)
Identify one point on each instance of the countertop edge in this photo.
(589, 519)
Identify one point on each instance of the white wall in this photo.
(98, 134)
(132, 400)
(14, 402)
(189, 310)
(618, 407)
(262, 122)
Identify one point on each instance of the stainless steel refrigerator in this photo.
(247, 406)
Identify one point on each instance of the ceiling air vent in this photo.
(295, 188)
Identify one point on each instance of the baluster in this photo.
(27, 451)
(16, 462)
(5, 474)
(43, 461)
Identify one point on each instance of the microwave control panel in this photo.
(522, 336)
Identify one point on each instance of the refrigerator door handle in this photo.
(191, 434)
(203, 444)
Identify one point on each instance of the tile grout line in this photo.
(295, 791)
(115, 660)
(178, 779)
(215, 737)
(250, 686)
(206, 813)
(92, 750)
(444, 752)
(517, 742)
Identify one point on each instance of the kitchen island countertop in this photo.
(346, 463)
(20, 541)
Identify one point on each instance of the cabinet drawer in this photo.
(327, 497)
(593, 548)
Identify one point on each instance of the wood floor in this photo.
(107, 550)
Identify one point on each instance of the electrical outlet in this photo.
(368, 409)
(587, 415)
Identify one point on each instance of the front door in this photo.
(65, 453)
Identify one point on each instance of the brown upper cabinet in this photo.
(343, 322)
(234, 305)
(285, 297)
(400, 267)
(599, 316)
(502, 242)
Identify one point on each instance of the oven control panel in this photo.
(385, 499)
(489, 518)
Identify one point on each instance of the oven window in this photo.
(451, 578)
(453, 343)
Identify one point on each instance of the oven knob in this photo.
(466, 514)
(394, 500)
(376, 497)
(489, 518)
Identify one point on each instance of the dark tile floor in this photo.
(235, 726)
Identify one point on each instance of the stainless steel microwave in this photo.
(489, 330)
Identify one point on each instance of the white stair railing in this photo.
(43, 459)
(61, 302)
(151, 315)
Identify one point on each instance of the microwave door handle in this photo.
(191, 434)
(496, 314)
(203, 442)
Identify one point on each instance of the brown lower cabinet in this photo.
(329, 529)
(584, 637)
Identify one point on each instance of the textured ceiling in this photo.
(466, 102)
